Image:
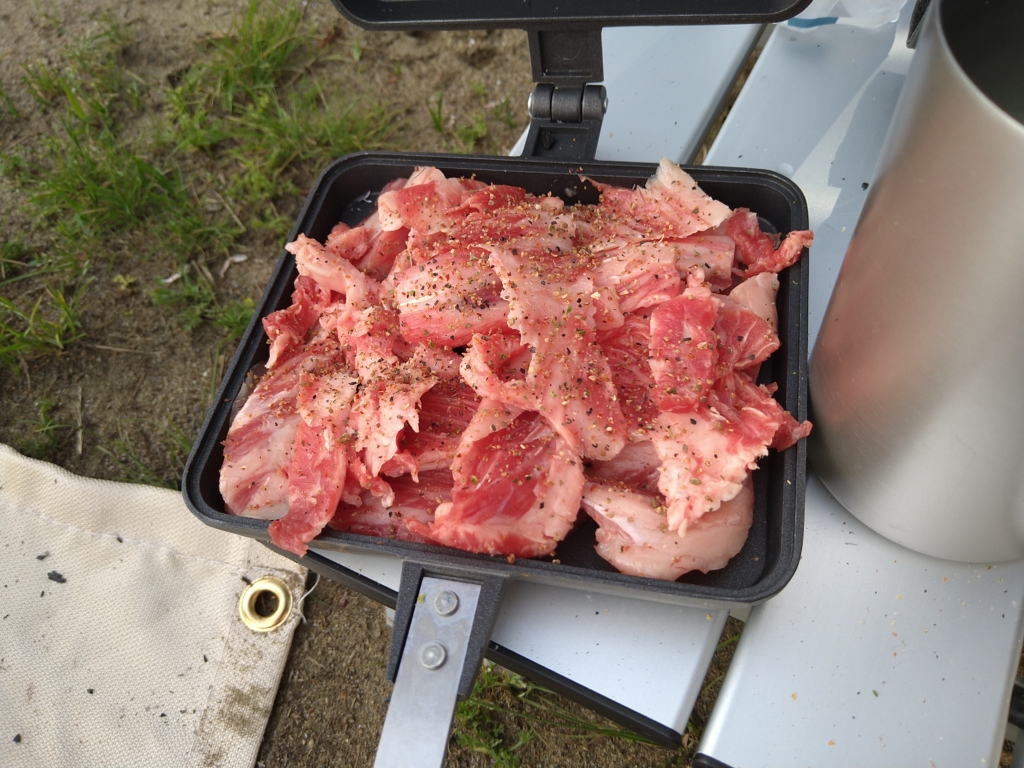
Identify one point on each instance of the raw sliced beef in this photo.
(627, 350)
(316, 472)
(517, 486)
(684, 347)
(756, 249)
(457, 367)
(551, 305)
(448, 299)
(758, 294)
(634, 536)
(258, 448)
(413, 500)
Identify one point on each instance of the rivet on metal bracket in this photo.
(446, 603)
(433, 655)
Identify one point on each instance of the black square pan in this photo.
(346, 191)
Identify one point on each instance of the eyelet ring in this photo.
(247, 604)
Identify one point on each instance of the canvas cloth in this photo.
(120, 638)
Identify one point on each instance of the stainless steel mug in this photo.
(917, 375)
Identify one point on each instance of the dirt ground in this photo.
(127, 398)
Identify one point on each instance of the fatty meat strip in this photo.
(472, 364)
(316, 472)
(517, 486)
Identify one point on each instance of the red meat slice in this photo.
(422, 204)
(531, 225)
(489, 200)
(449, 298)
(496, 366)
(287, 328)
(626, 349)
(744, 339)
(790, 432)
(757, 251)
(637, 468)
(712, 253)
(517, 487)
(334, 272)
(316, 472)
(412, 501)
(368, 247)
(706, 454)
(551, 302)
(758, 294)
(258, 448)
(640, 274)
(384, 407)
(389, 388)
(684, 347)
(670, 206)
(445, 411)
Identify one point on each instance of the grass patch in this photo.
(46, 435)
(245, 125)
(436, 109)
(465, 137)
(502, 112)
(255, 108)
(192, 299)
(469, 135)
(46, 324)
(132, 466)
(7, 105)
(88, 177)
(506, 712)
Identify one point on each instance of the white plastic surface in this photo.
(873, 655)
(665, 86)
(650, 657)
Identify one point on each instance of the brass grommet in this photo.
(247, 604)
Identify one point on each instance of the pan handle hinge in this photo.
(566, 106)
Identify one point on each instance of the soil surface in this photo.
(124, 401)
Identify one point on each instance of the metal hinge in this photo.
(566, 106)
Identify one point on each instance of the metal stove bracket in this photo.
(443, 623)
(566, 107)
